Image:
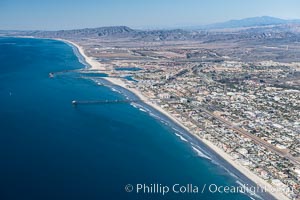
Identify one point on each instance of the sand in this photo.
(94, 64)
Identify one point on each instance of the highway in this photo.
(257, 140)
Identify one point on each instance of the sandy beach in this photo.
(95, 65)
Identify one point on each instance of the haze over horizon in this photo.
(67, 14)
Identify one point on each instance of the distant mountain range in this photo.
(250, 22)
(91, 32)
(116, 32)
(250, 28)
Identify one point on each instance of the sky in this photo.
(72, 14)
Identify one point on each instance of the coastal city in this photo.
(248, 110)
(150, 100)
(242, 119)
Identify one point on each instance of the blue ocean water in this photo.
(50, 149)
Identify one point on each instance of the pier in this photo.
(116, 101)
(53, 74)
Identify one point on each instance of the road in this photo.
(256, 139)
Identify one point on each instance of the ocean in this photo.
(51, 149)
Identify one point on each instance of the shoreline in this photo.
(233, 166)
(228, 161)
(93, 64)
